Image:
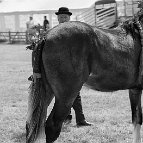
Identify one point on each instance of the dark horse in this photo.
(75, 53)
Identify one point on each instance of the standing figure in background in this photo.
(63, 15)
(30, 23)
(30, 31)
(46, 24)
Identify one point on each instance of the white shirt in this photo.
(30, 24)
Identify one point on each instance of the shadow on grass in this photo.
(19, 138)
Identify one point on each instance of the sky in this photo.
(29, 5)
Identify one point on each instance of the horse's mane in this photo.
(131, 25)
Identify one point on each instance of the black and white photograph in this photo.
(71, 71)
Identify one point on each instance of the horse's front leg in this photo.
(135, 100)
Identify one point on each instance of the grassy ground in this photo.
(109, 112)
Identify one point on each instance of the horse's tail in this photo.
(36, 112)
(37, 108)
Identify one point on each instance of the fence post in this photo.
(9, 37)
(26, 37)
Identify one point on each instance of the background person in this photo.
(63, 15)
(46, 24)
(30, 23)
(30, 31)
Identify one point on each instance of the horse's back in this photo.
(76, 49)
(69, 30)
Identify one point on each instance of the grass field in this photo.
(109, 112)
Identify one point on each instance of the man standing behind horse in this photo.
(63, 15)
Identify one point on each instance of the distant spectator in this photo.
(30, 30)
(45, 23)
(30, 23)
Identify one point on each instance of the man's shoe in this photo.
(84, 123)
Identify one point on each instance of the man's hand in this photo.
(35, 76)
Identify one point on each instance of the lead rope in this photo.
(141, 55)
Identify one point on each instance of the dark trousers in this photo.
(77, 106)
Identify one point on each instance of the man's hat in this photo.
(63, 10)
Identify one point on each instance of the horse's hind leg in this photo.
(65, 94)
(135, 99)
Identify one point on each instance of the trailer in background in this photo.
(127, 8)
(108, 13)
(103, 13)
